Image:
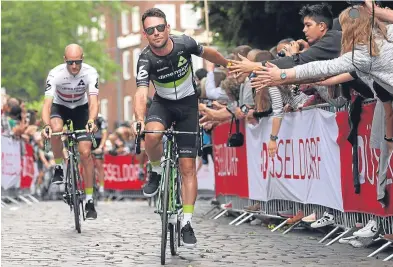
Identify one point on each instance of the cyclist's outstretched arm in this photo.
(214, 56)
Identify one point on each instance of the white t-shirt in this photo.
(69, 90)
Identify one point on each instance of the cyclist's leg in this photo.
(158, 119)
(99, 164)
(187, 146)
(58, 115)
(80, 117)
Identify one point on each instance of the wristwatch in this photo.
(244, 109)
(283, 75)
(273, 137)
(388, 139)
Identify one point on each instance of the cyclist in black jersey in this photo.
(166, 61)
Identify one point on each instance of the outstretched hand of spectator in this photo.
(238, 68)
(268, 76)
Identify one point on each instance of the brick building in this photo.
(124, 43)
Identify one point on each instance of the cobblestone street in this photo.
(128, 234)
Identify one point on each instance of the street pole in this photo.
(118, 74)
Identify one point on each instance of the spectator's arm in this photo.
(213, 92)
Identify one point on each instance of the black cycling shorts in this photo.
(78, 115)
(182, 111)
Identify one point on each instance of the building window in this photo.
(102, 25)
(188, 17)
(104, 108)
(170, 12)
(125, 29)
(127, 108)
(135, 19)
(135, 56)
(126, 65)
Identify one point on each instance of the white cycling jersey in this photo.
(69, 90)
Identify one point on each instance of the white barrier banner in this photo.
(206, 175)
(306, 168)
(11, 166)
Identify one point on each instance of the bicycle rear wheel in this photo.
(164, 214)
(75, 195)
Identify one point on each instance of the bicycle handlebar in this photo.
(140, 135)
(69, 133)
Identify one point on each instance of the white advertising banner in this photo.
(306, 167)
(206, 175)
(11, 166)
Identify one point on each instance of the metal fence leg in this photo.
(245, 219)
(329, 234)
(380, 249)
(33, 198)
(388, 258)
(290, 228)
(215, 207)
(280, 225)
(338, 237)
(3, 204)
(13, 200)
(28, 202)
(220, 214)
(238, 218)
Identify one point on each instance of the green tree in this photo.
(260, 24)
(34, 35)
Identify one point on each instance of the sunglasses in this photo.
(77, 62)
(160, 28)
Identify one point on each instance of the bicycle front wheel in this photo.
(164, 214)
(75, 195)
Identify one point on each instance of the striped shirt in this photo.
(279, 98)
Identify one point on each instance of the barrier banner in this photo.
(366, 201)
(306, 166)
(28, 170)
(206, 175)
(230, 163)
(11, 166)
(121, 173)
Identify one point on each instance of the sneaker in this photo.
(253, 208)
(286, 213)
(151, 187)
(189, 239)
(310, 218)
(327, 219)
(58, 175)
(226, 206)
(347, 239)
(296, 218)
(256, 222)
(368, 231)
(388, 237)
(91, 213)
(215, 202)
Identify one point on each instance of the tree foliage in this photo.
(260, 24)
(34, 35)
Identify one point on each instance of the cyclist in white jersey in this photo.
(72, 93)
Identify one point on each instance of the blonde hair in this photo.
(357, 31)
(231, 87)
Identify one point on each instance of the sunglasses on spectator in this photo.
(77, 62)
(160, 28)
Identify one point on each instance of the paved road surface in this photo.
(128, 234)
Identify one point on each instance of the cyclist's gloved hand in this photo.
(46, 132)
(91, 126)
(134, 127)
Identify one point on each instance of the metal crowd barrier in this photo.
(344, 221)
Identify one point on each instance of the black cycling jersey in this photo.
(172, 75)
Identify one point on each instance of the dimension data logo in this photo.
(182, 61)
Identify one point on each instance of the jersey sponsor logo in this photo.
(180, 52)
(164, 68)
(48, 86)
(96, 83)
(143, 60)
(178, 73)
(81, 83)
(181, 62)
(142, 74)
